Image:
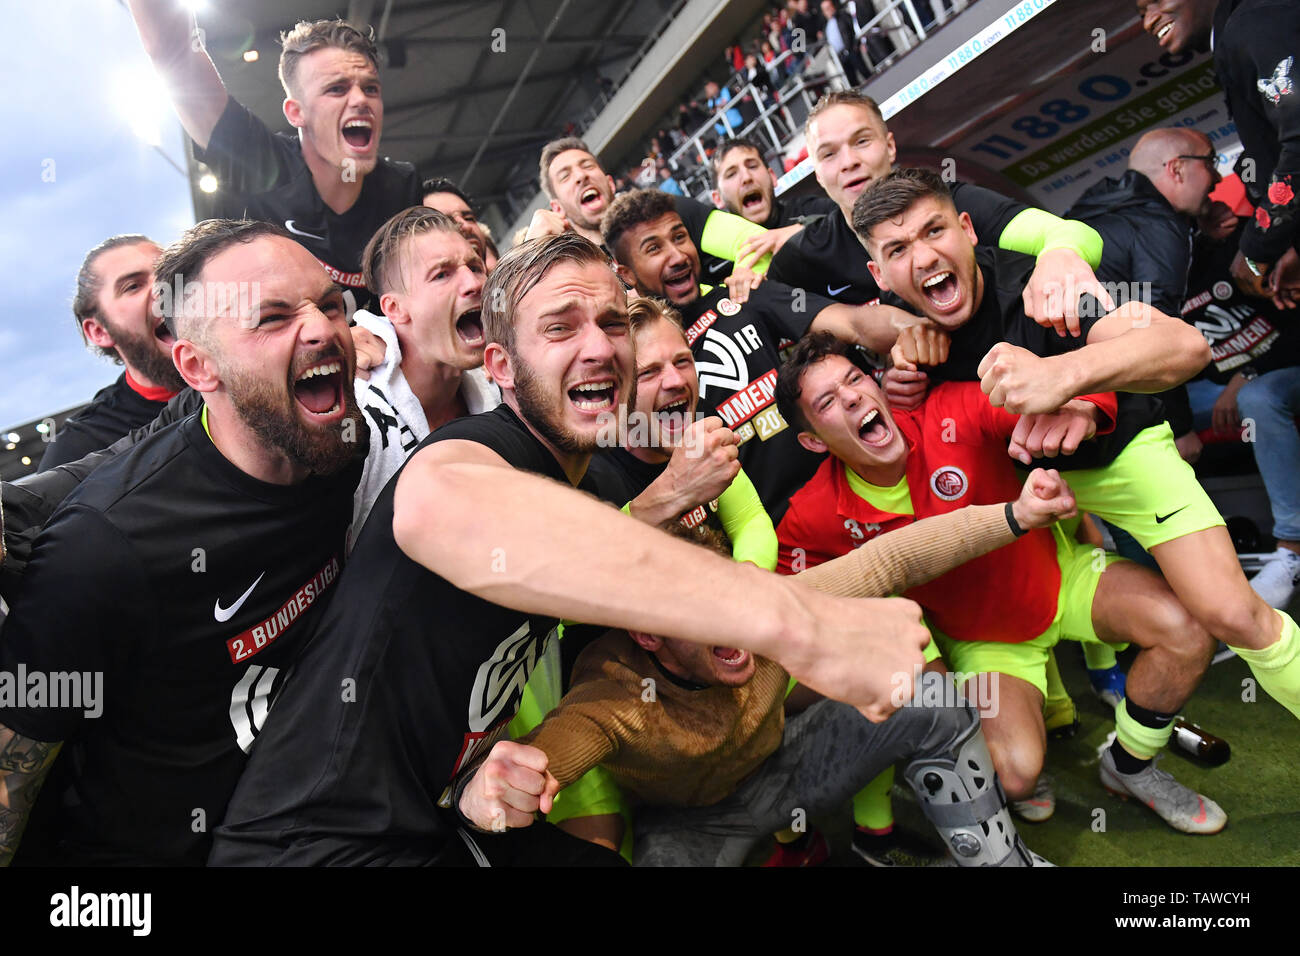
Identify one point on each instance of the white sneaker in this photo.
(1277, 582)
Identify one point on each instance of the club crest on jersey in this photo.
(1221, 290)
(1279, 84)
(949, 482)
(727, 307)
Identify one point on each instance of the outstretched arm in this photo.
(1133, 349)
(926, 549)
(562, 553)
(175, 46)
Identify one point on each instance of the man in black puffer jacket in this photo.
(1146, 220)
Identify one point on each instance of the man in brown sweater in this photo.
(698, 736)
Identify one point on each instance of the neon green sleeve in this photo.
(747, 523)
(1034, 231)
(724, 232)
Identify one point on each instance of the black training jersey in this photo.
(1001, 318)
(406, 681)
(1255, 47)
(738, 351)
(1243, 331)
(787, 212)
(114, 411)
(189, 586)
(826, 256)
(263, 176)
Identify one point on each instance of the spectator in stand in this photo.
(668, 184)
(716, 99)
(734, 57)
(757, 75)
(114, 312)
(1253, 376)
(840, 33)
(446, 197)
(690, 117)
(875, 41)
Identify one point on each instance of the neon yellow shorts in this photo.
(1081, 569)
(1148, 490)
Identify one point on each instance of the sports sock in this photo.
(873, 808)
(1055, 686)
(1100, 657)
(1277, 667)
(1140, 734)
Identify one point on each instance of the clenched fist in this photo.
(1021, 382)
(862, 651)
(509, 787)
(1044, 500)
(1056, 433)
(702, 466)
(546, 223)
(919, 345)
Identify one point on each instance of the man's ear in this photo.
(968, 227)
(648, 642)
(610, 179)
(293, 113)
(878, 274)
(390, 303)
(195, 365)
(497, 365)
(557, 208)
(96, 334)
(717, 198)
(812, 443)
(893, 147)
(626, 274)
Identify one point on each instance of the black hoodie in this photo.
(1145, 241)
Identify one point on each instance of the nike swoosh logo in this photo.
(720, 264)
(225, 614)
(288, 224)
(1160, 520)
(839, 290)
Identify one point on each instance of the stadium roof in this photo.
(472, 88)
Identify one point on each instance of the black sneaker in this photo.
(896, 848)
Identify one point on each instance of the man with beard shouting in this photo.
(178, 581)
(471, 555)
(112, 307)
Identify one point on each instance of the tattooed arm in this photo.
(24, 764)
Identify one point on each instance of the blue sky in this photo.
(75, 72)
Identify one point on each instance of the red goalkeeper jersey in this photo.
(956, 456)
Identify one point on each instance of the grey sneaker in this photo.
(1038, 806)
(1277, 582)
(1181, 807)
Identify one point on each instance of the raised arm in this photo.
(875, 326)
(562, 553)
(24, 765)
(1132, 349)
(174, 44)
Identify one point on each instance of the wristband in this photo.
(1012, 523)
